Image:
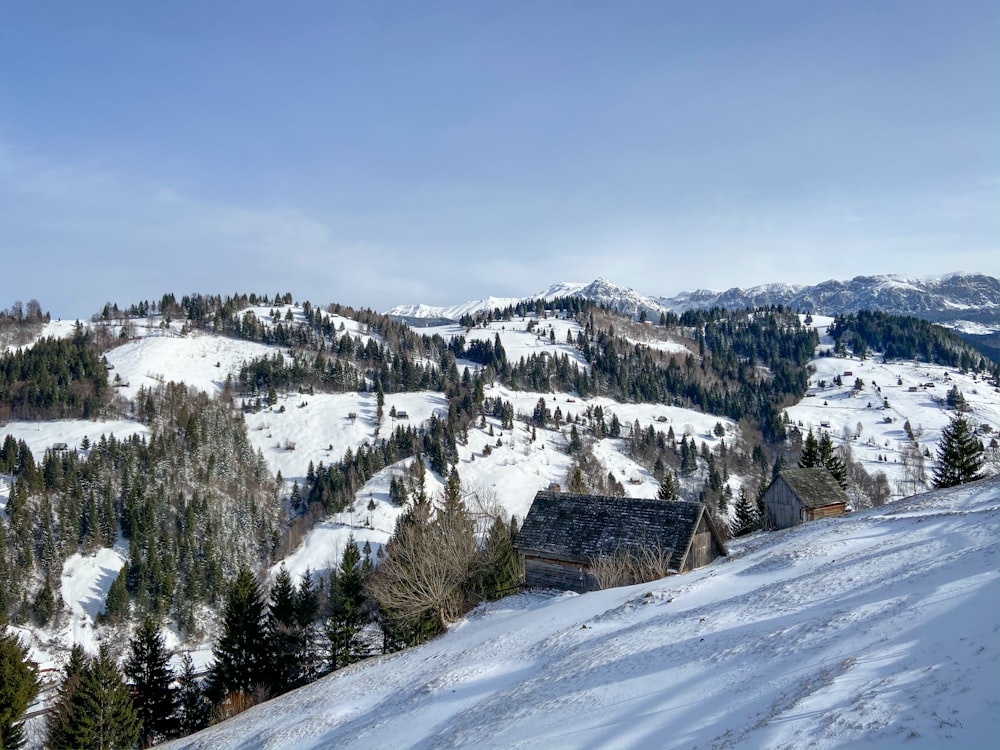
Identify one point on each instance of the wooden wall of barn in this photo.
(552, 574)
(827, 511)
(783, 506)
(703, 549)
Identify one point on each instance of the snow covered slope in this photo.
(877, 630)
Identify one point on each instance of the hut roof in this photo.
(578, 528)
(815, 487)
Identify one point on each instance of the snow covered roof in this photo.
(578, 528)
(815, 487)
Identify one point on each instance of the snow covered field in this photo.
(876, 630)
(41, 436)
(197, 359)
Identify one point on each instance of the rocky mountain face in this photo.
(950, 299)
(945, 299)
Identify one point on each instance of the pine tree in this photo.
(58, 720)
(960, 455)
(306, 615)
(148, 669)
(575, 443)
(832, 461)
(44, 604)
(348, 609)
(689, 457)
(499, 563)
(242, 652)
(668, 488)
(193, 707)
(816, 453)
(810, 453)
(94, 708)
(18, 687)
(746, 516)
(285, 633)
(116, 603)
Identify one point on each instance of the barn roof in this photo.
(578, 528)
(815, 487)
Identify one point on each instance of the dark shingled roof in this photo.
(815, 487)
(578, 528)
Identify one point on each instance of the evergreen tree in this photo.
(193, 707)
(242, 652)
(116, 603)
(746, 516)
(18, 687)
(306, 615)
(810, 453)
(689, 457)
(832, 461)
(58, 720)
(956, 400)
(44, 605)
(816, 453)
(94, 708)
(147, 668)
(500, 565)
(668, 488)
(285, 633)
(575, 443)
(348, 609)
(960, 455)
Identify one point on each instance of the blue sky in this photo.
(376, 153)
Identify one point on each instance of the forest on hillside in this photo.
(198, 507)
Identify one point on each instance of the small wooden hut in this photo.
(564, 533)
(800, 495)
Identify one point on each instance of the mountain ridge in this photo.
(947, 299)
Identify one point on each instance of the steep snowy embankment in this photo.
(876, 630)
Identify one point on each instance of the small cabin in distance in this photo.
(799, 495)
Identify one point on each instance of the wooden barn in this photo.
(564, 533)
(800, 495)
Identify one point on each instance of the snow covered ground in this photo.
(876, 630)
(548, 337)
(516, 468)
(871, 421)
(198, 359)
(303, 429)
(41, 436)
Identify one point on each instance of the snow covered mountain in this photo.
(949, 299)
(603, 292)
(877, 630)
(953, 297)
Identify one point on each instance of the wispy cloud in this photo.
(77, 235)
(87, 235)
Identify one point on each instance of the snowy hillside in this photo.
(878, 630)
(499, 465)
(299, 430)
